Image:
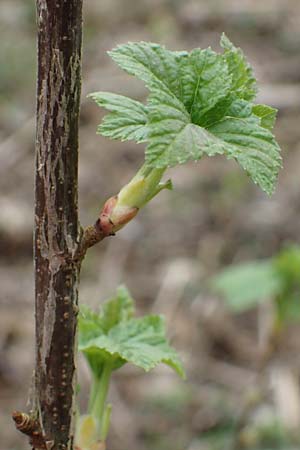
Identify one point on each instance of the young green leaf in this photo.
(114, 336)
(141, 342)
(128, 119)
(114, 311)
(118, 309)
(200, 103)
(243, 80)
(205, 82)
(253, 146)
(151, 63)
(266, 114)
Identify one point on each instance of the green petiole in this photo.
(97, 403)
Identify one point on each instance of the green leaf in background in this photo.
(287, 267)
(118, 337)
(246, 285)
(200, 103)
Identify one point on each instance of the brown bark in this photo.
(59, 242)
(57, 231)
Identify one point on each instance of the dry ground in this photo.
(212, 218)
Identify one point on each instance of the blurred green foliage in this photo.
(245, 285)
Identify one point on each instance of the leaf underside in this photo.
(200, 103)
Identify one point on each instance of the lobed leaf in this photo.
(253, 147)
(243, 80)
(114, 335)
(205, 81)
(117, 309)
(128, 119)
(141, 342)
(200, 103)
(151, 63)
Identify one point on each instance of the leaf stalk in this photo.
(98, 407)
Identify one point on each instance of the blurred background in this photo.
(236, 331)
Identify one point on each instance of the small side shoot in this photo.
(200, 103)
(109, 339)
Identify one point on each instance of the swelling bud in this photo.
(120, 209)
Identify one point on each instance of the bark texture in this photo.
(57, 230)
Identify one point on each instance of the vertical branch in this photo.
(56, 216)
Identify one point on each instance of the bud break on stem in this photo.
(120, 209)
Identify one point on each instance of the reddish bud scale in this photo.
(112, 218)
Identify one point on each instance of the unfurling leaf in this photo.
(118, 337)
(200, 103)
